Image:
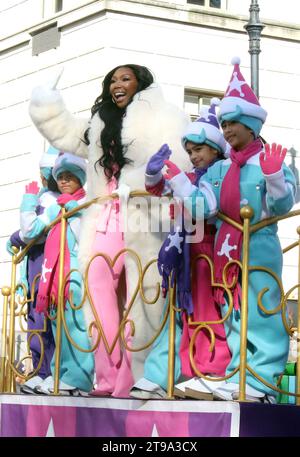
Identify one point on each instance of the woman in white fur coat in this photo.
(130, 121)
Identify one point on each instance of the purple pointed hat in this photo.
(206, 129)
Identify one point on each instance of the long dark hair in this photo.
(52, 184)
(112, 116)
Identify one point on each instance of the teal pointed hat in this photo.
(69, 162)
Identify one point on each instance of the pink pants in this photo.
(205, 309)
(113, 373)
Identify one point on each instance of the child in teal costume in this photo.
(254, 175)
(76, 367)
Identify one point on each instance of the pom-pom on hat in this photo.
(47, 161)
(240, 103)
(69, 162)
(48, 158)
(206, 129)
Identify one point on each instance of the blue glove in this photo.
(71, 205)
(9, 247)
(156, 162)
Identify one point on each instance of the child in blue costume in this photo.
(31, 266)
(257, 176)
(76, 367)
(205, 145)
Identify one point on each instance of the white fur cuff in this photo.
(276, 185)
(152, 180)
(182, 186)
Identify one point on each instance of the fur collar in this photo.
(149, 122)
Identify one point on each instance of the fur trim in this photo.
(150, 121)
(87, 234)
(229, 105)
(85, 250)
(63, 130)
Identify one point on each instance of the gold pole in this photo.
(246, 215)
(60, 303)
(298, 328)
(11, 340)
(6, 293)
(172, 330)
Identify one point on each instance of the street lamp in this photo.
(254, 28)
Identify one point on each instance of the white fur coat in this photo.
(149, 122)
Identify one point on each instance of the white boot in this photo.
(230, 391)
(144, 389)
(256, 396)
(29, 386)
(198, 388)
(47, 387)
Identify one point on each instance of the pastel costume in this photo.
(149, 122)
(76, 367)
(32, 265)
(205, 130)
(268, 195)
(204, 309)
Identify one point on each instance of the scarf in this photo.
(229, 239)
(48, 286)
(174, 257)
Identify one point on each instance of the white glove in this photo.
(47, 93)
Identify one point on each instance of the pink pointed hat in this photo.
(240, 102)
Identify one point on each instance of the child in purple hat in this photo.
(205, 145)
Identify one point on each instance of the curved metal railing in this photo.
(15, 307)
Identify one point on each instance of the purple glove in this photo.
(271, 160)
(156, 162)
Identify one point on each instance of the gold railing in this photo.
(15, 307)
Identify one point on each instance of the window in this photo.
(58, 5)
(195, 101)
(210, 3)
(215, 3)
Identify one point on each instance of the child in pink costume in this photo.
(211, 363)
(205, 309)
